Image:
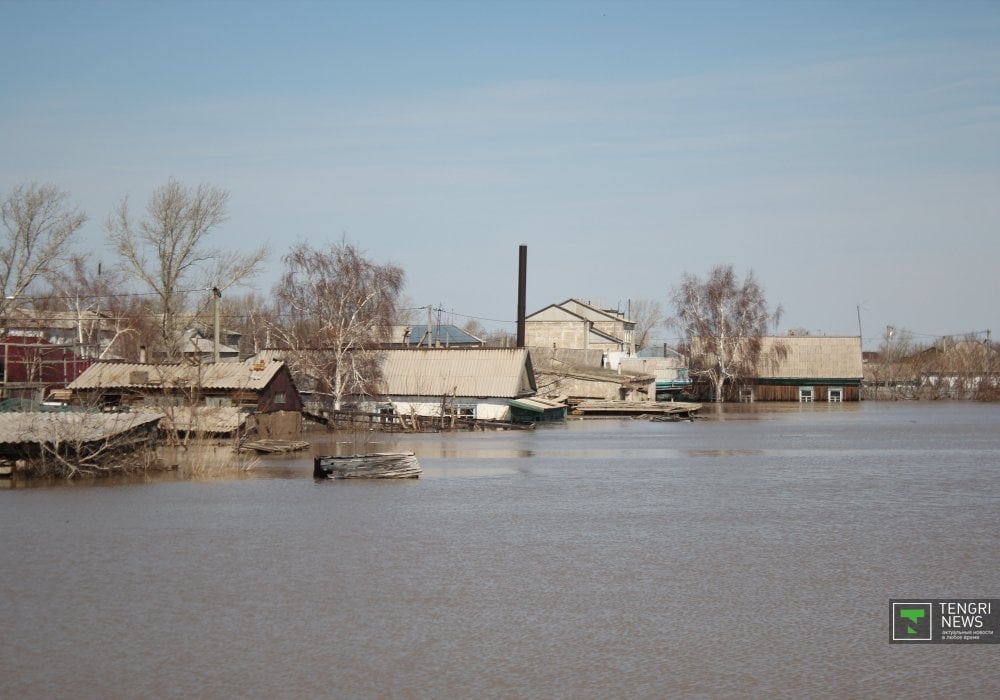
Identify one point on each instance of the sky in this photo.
(848, 153)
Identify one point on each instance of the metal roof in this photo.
(251, 375)
(482, 372)
(20, 428)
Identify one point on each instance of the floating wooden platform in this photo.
(274, 446)
(658, 410)
(376, 465)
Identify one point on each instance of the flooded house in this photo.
(212, 398)
(476, 384)
(802, 369)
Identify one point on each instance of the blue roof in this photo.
(443, 334)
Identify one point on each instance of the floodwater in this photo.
(749, 554)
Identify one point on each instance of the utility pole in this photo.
(216, 295)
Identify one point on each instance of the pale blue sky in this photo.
(847, 152)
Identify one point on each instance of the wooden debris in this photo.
(676, 409)
(376, 465)
(274, 446)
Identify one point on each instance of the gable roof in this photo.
(251, 375)
(591, 312)
(553, 312)
(481, 372)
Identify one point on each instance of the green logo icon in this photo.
(911, 621)
(912, 614)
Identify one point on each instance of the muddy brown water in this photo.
(749, 554)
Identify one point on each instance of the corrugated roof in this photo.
(252, 375)
(814, 357)
(483, 372)
(20, 428)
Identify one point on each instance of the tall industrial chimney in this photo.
(522, 286)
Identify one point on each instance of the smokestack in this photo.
(522, 286)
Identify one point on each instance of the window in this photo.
(836, 394)
(746, 394)
(279, 397)
(465, 410)
(805, 394)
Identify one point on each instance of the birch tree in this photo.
(724, 321)
(167, 251)
(39, 225)
(336, 306)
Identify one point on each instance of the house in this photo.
(808, 369)
(252, 386)
(88, 332)
(576, 324)
(197, 347)
(469, 383)
(33, 367)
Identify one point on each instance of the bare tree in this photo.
(336, 305)
(647, 314)
(94, 296)
(39, 225)
(724, 321)
(167, 251)
(253, 315)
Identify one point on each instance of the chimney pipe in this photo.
(522, 285)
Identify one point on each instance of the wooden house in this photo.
(810, 369)
(253, 386)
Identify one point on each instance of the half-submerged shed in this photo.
(66, 444)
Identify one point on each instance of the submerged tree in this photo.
(336, 306)
(724, 321)
(167, 251)
(39, 225)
